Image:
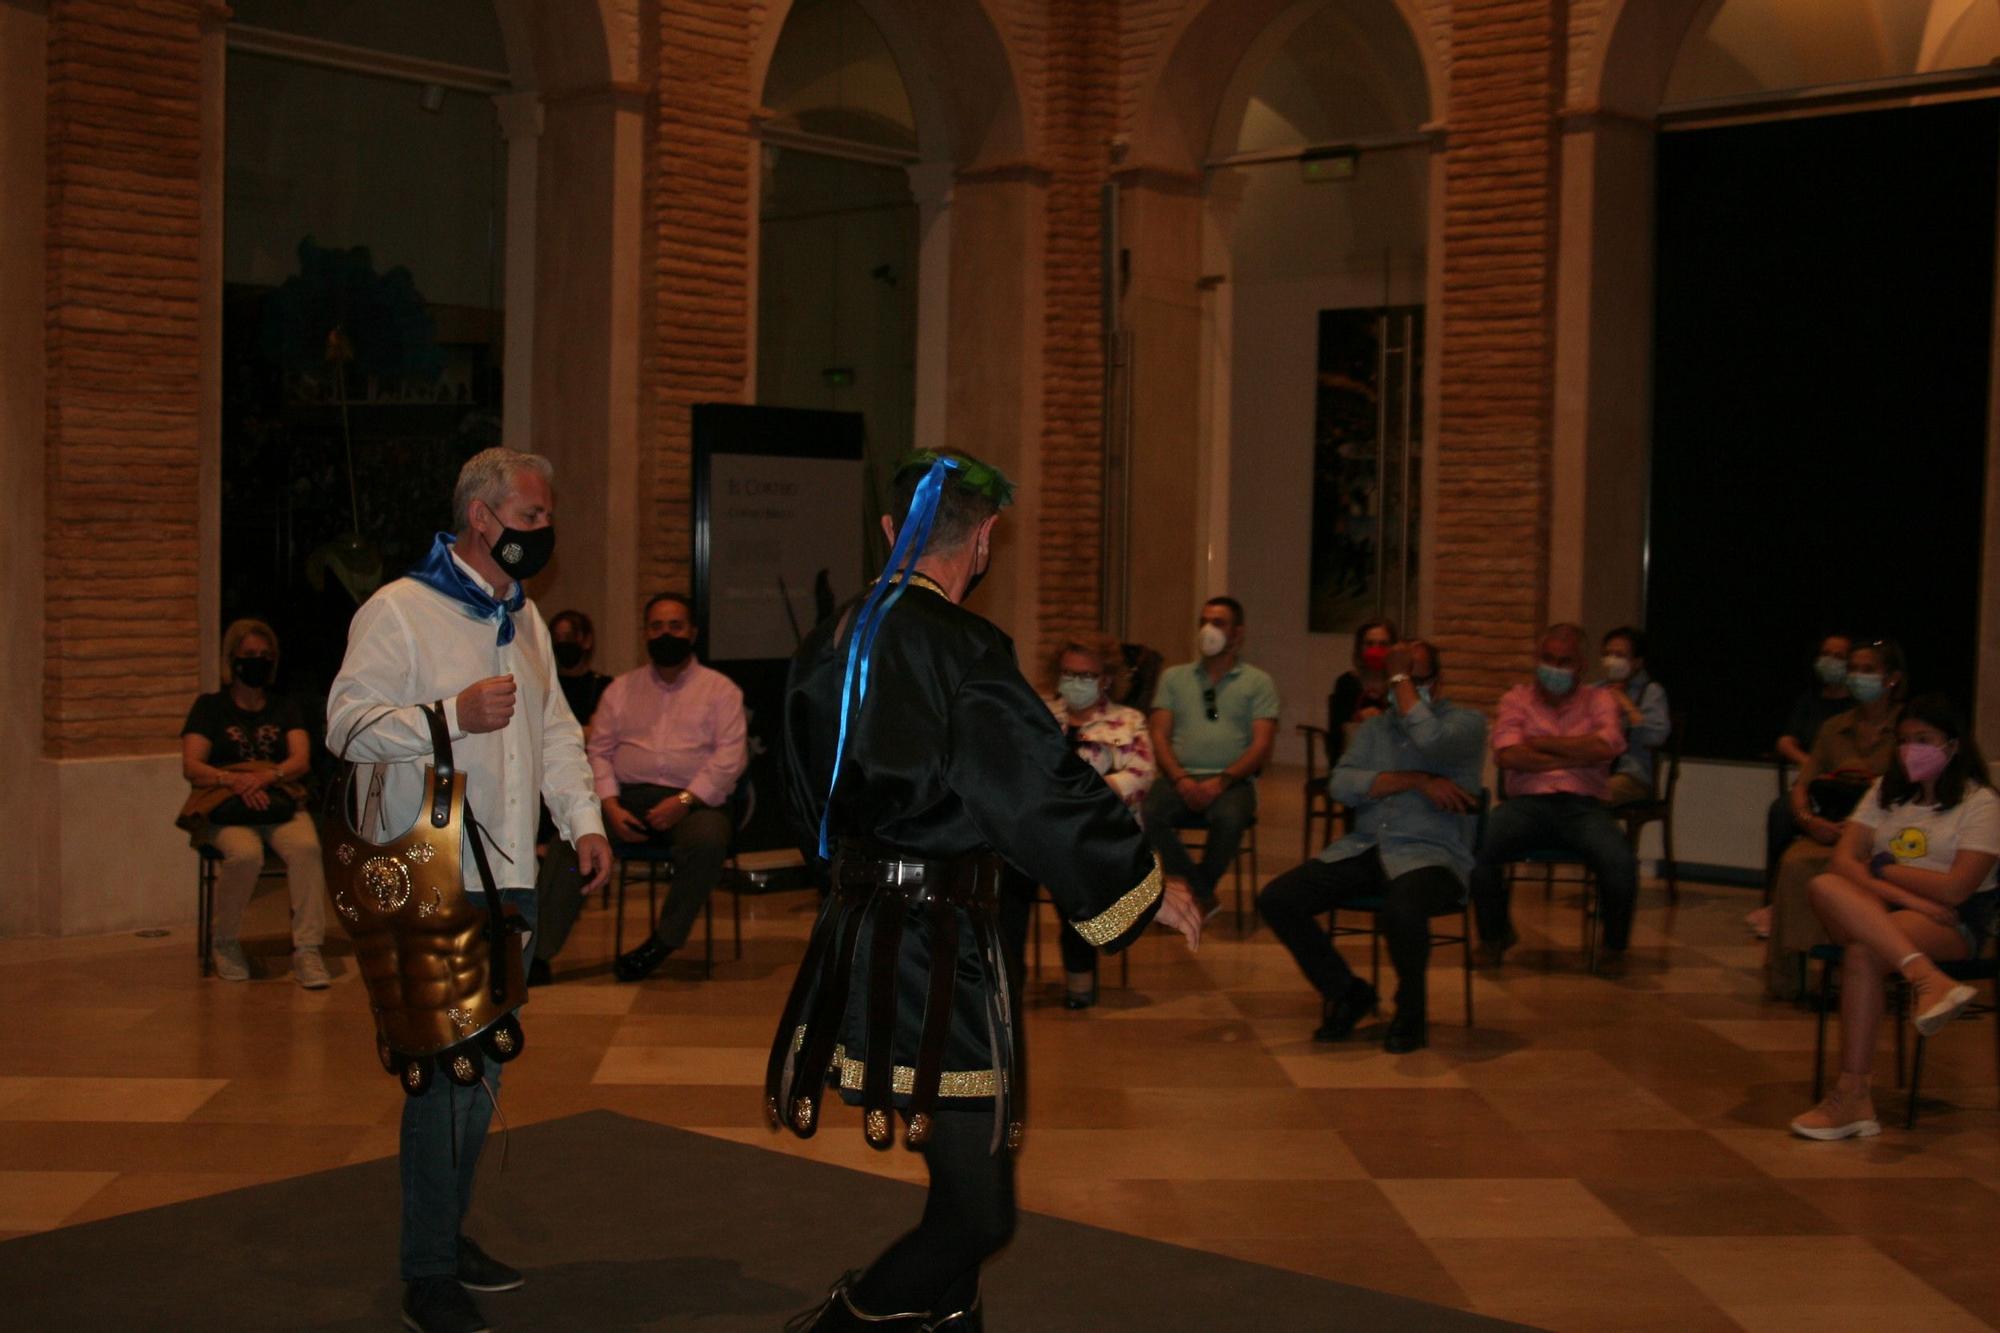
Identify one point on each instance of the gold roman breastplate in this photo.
(444, 980)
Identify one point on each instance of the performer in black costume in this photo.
(952, 778)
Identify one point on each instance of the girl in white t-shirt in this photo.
(1912, 880)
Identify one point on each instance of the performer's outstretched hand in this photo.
(593, 859)
(1178, 910)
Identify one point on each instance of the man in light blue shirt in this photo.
(1214, 722)
(1409, 776)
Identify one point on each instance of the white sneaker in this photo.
(1937, 1004)
(309, 969)
(230, 964)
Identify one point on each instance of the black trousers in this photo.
(968, 1217)
(1293, 902)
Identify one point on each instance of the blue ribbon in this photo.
(910, 543)
(440, 571)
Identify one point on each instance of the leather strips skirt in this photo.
(875, 895)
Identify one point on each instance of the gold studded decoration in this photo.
(386, 881)
(433, 906)
(461, 1067)
(1015, 1132)
(876, 1126)
(413, 1075)
(802, 1114)
(460, 1020)
(346, 854)
(420, 854)
(347, 909)
(771, 1112)
(504, 1040)
(920, 1130)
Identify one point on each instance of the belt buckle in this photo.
(903, 873)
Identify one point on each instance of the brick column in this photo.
(1497, 355)
(699, 260)
(1081, 116)
(123, 312)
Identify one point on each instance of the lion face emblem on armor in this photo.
(387, 881)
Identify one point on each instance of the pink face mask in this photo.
(1923, 761)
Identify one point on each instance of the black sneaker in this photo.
(1339, 1015)
(1407, 1032)
(480, 1271)
(440, 1305)
(642, 961)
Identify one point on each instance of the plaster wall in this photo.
(30, 903)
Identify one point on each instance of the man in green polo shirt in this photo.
(1214, 722)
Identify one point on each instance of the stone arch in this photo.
(1177, 107)
(960, 76)
(1624, 64)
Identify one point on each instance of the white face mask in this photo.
(1617, 667)
(1211, 640)
(1078, 692)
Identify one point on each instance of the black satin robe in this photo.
(954, 754)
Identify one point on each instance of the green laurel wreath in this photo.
(972, 474)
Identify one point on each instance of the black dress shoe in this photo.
(642, 961)
(1407, 1032)
(839, 1315)
(480, 1271)
(539, 973)
(1080, 999)
(440, 1305)
(1339, 1015)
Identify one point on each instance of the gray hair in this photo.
(488, 476)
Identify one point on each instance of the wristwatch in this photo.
(686, 798)
(1399, 678)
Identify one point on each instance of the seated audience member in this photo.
(1642, 703)
(574, 640)
(1826, 697)
(1213, 722)
(255, 743)
(1852, 750)
(667, 747)
(558, 881)
(1554, 744)
(1911, 884)
(1089, 673)
(1409, 777)
(1362, 691)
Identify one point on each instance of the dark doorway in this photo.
(1822, 352)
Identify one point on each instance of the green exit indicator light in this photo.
(839, 377)
(1318, 165)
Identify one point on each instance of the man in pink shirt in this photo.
(1554, 744)
(666, 748)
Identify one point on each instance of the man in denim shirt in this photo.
(1409, 776)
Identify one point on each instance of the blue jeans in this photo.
(1226, 822)
(437, 1186)
(1578, 825)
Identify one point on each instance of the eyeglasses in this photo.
(1208, 701)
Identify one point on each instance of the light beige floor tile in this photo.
(682, 1064)
(1501, 1209)
(129, 1099)
(38, 1200)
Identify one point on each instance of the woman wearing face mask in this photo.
(1643, 703)
(1912, 882)
(1826, 697)
(573, 639)
(1088, 671)
(1363, 691)
(1852, 750)
(254, 743)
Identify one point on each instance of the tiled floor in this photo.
(1590, 1156)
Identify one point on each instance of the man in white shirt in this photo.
(459, 630)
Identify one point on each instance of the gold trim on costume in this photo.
(951, 1083)
(926, 581)
(1116, 919)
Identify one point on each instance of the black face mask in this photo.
(569, 655)
(977, 577)
(522, 555)
(252, 673)
(668, 650)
